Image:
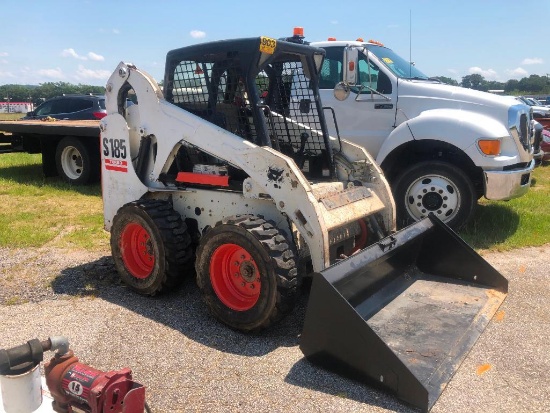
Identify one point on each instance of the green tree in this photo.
(533, 84)
(16, 93)
(494, 85)
(37, 94)
(447, 80)
(474, 81)
(511, 86)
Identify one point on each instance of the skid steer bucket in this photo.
(403, 313)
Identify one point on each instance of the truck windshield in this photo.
(399, 66)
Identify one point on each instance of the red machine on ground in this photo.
(73, 386)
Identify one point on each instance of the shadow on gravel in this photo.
(306, 375)
(182, 310)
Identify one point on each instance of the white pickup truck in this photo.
(441, 147)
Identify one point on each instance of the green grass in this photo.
(11, 116)
(521, 222)
(37, 211)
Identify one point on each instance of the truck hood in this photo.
(415, 97)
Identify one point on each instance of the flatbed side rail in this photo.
(60, 128)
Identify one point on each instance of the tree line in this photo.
(532, 85)
(44, 91)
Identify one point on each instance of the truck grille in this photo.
(524, 131)
(521, 129)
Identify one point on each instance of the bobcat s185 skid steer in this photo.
(230, 167)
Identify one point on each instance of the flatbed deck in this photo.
(59, 127)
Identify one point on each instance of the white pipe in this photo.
(22, 393)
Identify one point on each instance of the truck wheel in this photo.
(437, 187)
(150, 245)
(77, 163)
(247, 273)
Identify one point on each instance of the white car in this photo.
(539, 110)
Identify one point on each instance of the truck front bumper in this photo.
(505, 185)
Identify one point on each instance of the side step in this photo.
(403, 314)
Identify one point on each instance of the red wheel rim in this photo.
(235, 277)
(137, 250)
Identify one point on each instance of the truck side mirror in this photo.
(351, 55)
(341, 91)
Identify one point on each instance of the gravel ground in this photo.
(190, 363)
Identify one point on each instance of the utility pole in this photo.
(8, 100)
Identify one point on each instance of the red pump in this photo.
(76, 385)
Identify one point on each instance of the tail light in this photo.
(99, 115)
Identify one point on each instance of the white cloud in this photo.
(96, 57)
(114, 31)
(82, 73)
(91, 55)
(518, 73)
(488, 74)
(3, 61)
(197, 34)
(72, 53)
(3, 54)
(56, 73)
(334, 22)
(6, 74)
(532, 61)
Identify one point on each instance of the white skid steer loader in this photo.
(231, 167)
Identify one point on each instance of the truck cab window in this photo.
(371, 76)
(331, 71)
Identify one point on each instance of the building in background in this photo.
(16, 107)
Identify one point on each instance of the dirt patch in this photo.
(36, 274)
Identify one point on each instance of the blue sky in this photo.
(82, 41)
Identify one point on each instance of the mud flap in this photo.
(403, 313)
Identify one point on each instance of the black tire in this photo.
(77, 163)
(261, 287)
(437, 187)
(151, 246)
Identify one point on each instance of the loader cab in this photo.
(261, 89)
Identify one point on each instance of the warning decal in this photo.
(116, 165)
(267, 45)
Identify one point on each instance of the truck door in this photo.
(366, 118)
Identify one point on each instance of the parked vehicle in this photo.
(69, 148)
(259, 194)
(545, 138)
(539, 110)
(65, 130)
(70, 107)
(441, 147)
(545, 144)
